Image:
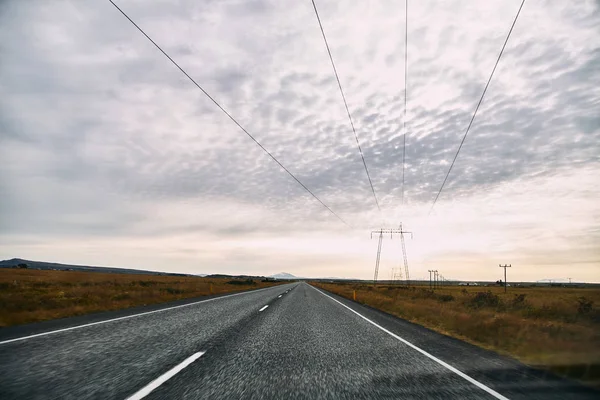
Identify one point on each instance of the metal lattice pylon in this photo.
(378, 256)
(406, 273)
(397, 273)
(380, 233)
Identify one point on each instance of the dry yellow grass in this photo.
(32, 295)
(552, 327)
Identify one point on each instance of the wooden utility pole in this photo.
(505, 266)
(430, 281)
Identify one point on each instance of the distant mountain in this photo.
(233, 276)
(66, 267)
(283, 275)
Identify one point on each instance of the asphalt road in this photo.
(286, 342)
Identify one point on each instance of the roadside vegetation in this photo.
(37, 295)
(553, 328)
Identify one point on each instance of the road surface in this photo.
(286, 342)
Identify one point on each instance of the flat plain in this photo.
(28, 296)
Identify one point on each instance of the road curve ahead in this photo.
(286, 342)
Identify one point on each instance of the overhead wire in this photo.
(477, 108)
(231, 117)
(337, 77)
(405, 103)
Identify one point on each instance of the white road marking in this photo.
(426, 354)
(264, 308)
(125, 317)
(146, 390)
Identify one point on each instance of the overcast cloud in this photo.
(110, 156)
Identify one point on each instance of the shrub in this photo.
(485, 299)
(519, 300)
(173, 290)
(144, 283)
(43, 284)
(242, 282)
(444, 298)
(584, 305)
(121, 296)
(424, 294)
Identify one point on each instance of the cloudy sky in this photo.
(110, 156)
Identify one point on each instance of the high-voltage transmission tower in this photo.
(397, 274)
(380, 233)
(406, 274)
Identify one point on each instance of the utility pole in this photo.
(430, 281)
(380, 233)
(505, 266)
(569, 280)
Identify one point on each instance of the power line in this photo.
(231, 117)
(477, 108)
(346, 105)
(405, 101)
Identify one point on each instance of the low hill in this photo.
(42, 265)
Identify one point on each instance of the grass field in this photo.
(553, 328)
(33, 295)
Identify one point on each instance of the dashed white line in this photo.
(264, 308)
(126, 317)
(426, 354)
(146, 390)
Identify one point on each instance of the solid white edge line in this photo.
(127, 316)
(432, 357)
(146, 390)
(264, 308)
